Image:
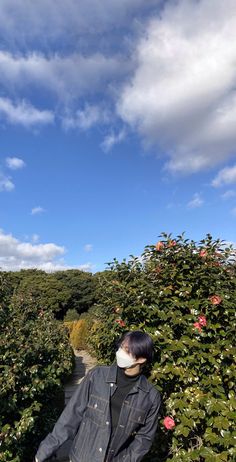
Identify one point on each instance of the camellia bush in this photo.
(183, 294)
(35, 357)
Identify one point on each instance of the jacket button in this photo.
(107, 423)
(100, 449)
(112, 384)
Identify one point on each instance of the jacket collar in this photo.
(112, 374)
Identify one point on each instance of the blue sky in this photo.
(117, 122)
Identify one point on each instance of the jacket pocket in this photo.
(136, 419)
(96, 409)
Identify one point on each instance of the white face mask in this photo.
(123, 359)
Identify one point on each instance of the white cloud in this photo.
(86, 267)
(66, 76)
(37, 210)
(182, 95)
(15, 254)
(6, 183)
(228, 194)
(226, 176)
(23, 113)
(85, 119)
(195, 202)
(88, 248)
(111, 139)
(45, 21)
(14, 163)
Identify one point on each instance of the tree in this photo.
(81, 288)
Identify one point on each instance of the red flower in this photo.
(159, 246)
(197, 325)
(171, 243)
(120, 322)
(202, 320)
(202, 253)
(215, 299)
(169, 423)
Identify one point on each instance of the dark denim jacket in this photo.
(86, 420)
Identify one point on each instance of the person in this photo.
(113, 414)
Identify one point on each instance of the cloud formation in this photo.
(14, 163)
(48, 22)
(65, 76)
(23, 113)
(86, 118)
(182, 95)
(15, 254)
(225, 176)
(6, 183)
(228, 194)
(195, 202)
(111, 139)
(37, 210)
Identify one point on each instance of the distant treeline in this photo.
(57, 292)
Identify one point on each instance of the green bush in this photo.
(71, 315)
(35, 357)
(183, 294)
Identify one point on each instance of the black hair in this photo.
(139, 343)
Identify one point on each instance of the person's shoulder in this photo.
(155, 396)
(154, 392)
(99, 369)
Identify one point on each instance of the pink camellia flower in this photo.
(172, 244)
(159, 246)
(203, 253)
(198, 326)
(202, 320)
(120, 322)
(169, 423)
(215, 299)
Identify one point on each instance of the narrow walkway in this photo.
(83, 363)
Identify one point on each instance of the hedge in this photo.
(35, 357)
(183, 294)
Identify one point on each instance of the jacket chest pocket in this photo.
(96, 409)
(137, 418)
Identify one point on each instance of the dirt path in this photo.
(83, 363)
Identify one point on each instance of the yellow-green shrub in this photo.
(69, 325)
(78, 331)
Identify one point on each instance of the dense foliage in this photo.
(56, 292)
(81, 286)
(183, 294)
(35, 357)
